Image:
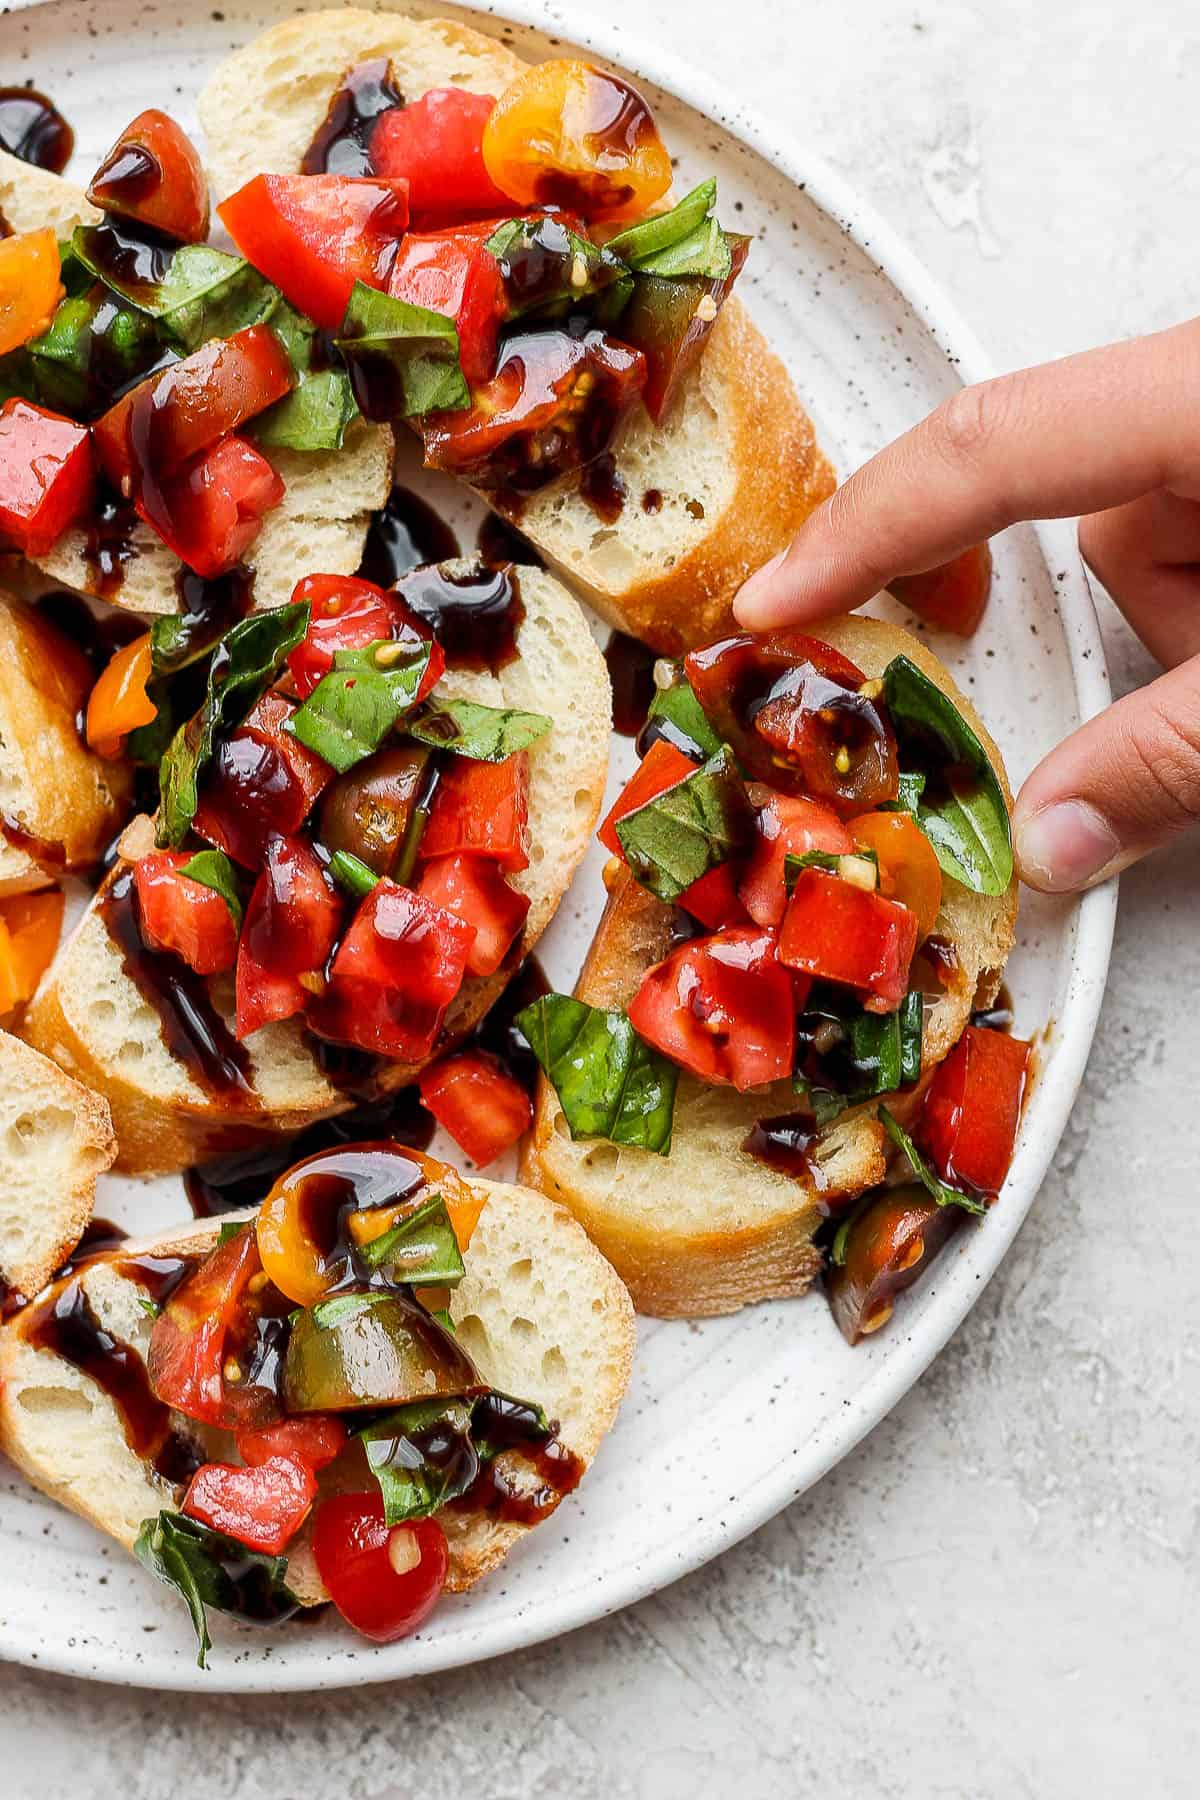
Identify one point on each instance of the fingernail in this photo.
(1065, 846)
(747, 606)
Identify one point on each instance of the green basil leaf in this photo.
(912, 1032)
(353, 873)
(483, 733)
(75, 275)
(676, 714)
(841, 1238)
(609, 1082)
(210, 1569)
(230, 1229)
(911, 787)
(825, 1103)
(544, 265)
(826, 860)
(403, 359)
(420, 1251)
(942, 1193)
(251, 656)
(690, 828)
(962, 812)
(316, 415)
(209, 294)
(96, 347)
(422, 1456)
(329, 1313)
(442, 1315)
(649, 237)
(865, 1054)
(705, 252)
(213, 869)
(353, 708)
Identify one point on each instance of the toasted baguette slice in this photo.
(90, 1017)
(33, 198)
(58, 801)
(709, 1228)
(669, 575)
(539, 1310)
(56, 1137)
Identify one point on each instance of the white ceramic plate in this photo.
(729, 1420)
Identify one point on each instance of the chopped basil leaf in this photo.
(841, 1237)
(421, 1455)
(704, 252)
(75, 275)
(208, 294)
(442, 1315)
(609, 1082)
(651, 236)
(688, 829)
(353, 708)
(848, 1055)
(483, 733)
(403, 359)
(421, 1250)
(250, 657)
(352, 873)
(329, 1313)
(231, 1229)
(150, 1307)
(962, 812)
(210, 1569)
(545, 266)
(213, 869)
(832, 864)
(942, 1193)
(92, 348)
(676, 714)
(911, 787)
(911, 1015)
(316, 415)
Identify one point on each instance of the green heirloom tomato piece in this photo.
(385, 1351)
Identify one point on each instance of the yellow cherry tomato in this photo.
(30, 925)
(119, 702)
(908, 868)
(30, 287)
(567, 134)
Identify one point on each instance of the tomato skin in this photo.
(953, 596)
(30, 286)
(450, 272)
(397, 968)
(663, 766)
(973, 1108)
(714, 899)
(291, 925)
(119, 702)
(346, 613)
(436, 145)
(153, 174)
(314, 1441)
(47, 477)
(787, 825)
(889, 1246)
(723, 1007)
(206, 1322)
(183, 916)
(473, 888)
(482, 808)
(908, 868)
(836, 932)
(351, 1542)
(314, 236)
(482, 1107)
(263, 781)
(212, 511)
(262, 1507)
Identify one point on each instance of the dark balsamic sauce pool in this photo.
(33, 129)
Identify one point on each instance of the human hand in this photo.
(1113, 435)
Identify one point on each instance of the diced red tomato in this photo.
(953, 596)
(482, 808)
(436, 144)
(450, 272)
(153, 174)
(723, 1007)
(714, 899)
(183, 916)
(262, 1507)
(291, 925)
(314, 236)
(211, 512)
(263, 781)
(208, 1323)
(478, 1102)
(47, 477)
(787, 826)
(473, 888)
(837, 932)
(348, 614)
(663, 766)
(973, 1108)
(163, 424)
(315, 1440)
(384, 1580)
(397, 969)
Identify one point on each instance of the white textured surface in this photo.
(996, 1594)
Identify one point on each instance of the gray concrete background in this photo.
(996, 1595)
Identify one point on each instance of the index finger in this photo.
(1077, 436)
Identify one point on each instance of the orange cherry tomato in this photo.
(908, 868)
(30, 287)
(119, 702)
(313, 1219)
(30, 925)
(567, 134)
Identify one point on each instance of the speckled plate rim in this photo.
(1094, 917)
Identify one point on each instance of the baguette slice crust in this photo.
(51, 786)
(720, 508)
(91, 1018)
(540, 1311)
(708, 1228)
(56, 1137)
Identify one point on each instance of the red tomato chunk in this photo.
(482, 1107)
(473, 888)
(385, 1581)
(836, 932)
(263, 782)
(722, 1007)
(436, 145)
(663, 766)
(397, 969)
(973, 1108)
(263, 1507)
(482, 808)
(450, 272)
(183, 916)
(47, 477)
(346, 613)
(291, 926)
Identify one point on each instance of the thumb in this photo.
(1127, 782)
